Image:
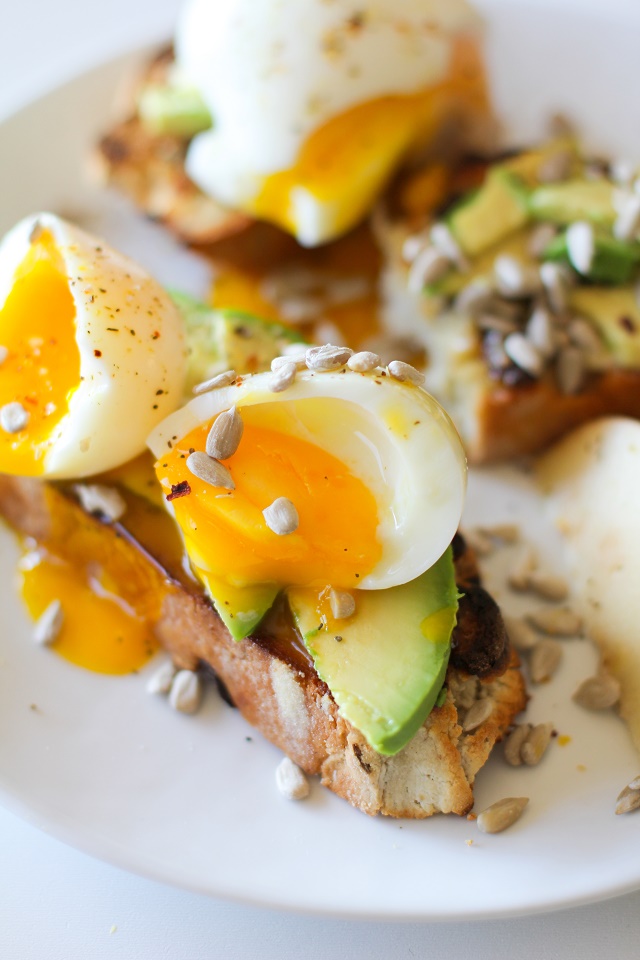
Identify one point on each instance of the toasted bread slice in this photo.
(271, 679)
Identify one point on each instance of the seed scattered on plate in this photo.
(521, 635)
(291, 781)
(629, 798)
(281, 517)
(14, 417)
(518, 578)
(225, 435)
(161, 679)
(548, 585)
(221, 380)
(544, 660)
(556, 621)
(513, 744)
(185, 694)
(536, 743)
(598, 693)
(209, 470)
(49, 624)
(501, 815)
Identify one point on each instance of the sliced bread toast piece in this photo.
(271, 679)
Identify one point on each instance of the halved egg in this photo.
(373, 467)
(92, 352)
(315, 105)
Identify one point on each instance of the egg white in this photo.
(393, 436)
(273, 71)
(130, 378)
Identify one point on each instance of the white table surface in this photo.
(58, 904)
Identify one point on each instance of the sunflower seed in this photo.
(627, 223)
(629, 798)
(583, 334)
(540, 238)
(427, 268)
(540, 332)
(211, 471)
(106, 501)
(225, 435)
(281, 517)
(544, 660)
(299, 362)
(49, 624)
(514, 278)
(13, 417)
(581, 246)
(474, 297)
(4, 353)
(185, 694)
(342, 604)
(556, 281)
(522, 637)
(571, 370)
(477, 714)
(291, 781)
(445, 242)
(490, 321)
(221, 380)
(518, 578)
(412, 246)
(404, 371)
(161, 679)
(598, 693)
(327, 357)
(513, 744)
(549, 585)
(364, 361)
(284, 377)
(557, 166)
(524, 354)
(479, 541)
(535, 745)
(501, 815)
(556, 621)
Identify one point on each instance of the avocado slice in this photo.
(240, 608)
(497, 209)
(175, 110)
(385, 665)
(614, 260)
(571, 200)
(615, 313)
(228, 339)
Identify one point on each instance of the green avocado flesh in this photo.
(220, 340)
(177, 111)
(498, 209)
(571, 200)
(240, 608)
(388, 666)
(614, 261)
(615, 314)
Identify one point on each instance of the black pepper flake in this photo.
(357, 575)
(97, 353)
(113, 329)
(155, 335)
(182, 489)
(102, 290)
(627, 324)
(132, 332)
(155, 406)
(338, 639)
(159, 393)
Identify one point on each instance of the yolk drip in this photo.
(100, 631)
(225, 531)
(346, 161)
(42, 368)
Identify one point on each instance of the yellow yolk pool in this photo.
(225, 531)
(42, 367)
(101, 631)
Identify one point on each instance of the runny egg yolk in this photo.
(226, 534)
(346, 161)
(100, 630)
(42, 365)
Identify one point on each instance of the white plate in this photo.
(192, 800)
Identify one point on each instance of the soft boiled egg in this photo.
(372, 466)
(315, 104)
(92, 352)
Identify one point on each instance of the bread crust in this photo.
(278, 691)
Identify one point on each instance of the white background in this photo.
(56, 903)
